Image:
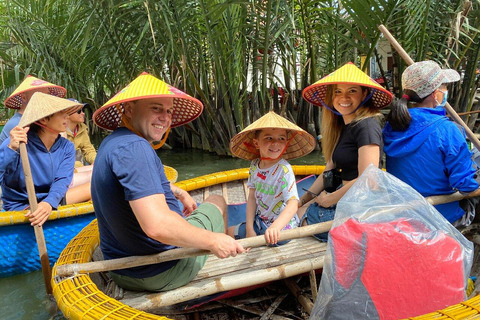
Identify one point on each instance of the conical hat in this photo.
(146, 86)
(349, 73)
(42, 105)
(302, 143)
(31, 83)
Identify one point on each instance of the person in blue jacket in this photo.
(51, 157)
(424, 148)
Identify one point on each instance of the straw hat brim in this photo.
(185, 110)
(42, 105)
(146, 86)
(348, 74)
(301, 144)
(15, 102)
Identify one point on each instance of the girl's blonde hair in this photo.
(332, 124)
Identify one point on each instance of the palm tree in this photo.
(241, 58)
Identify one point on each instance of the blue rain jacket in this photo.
(432, 156)
(52, 172)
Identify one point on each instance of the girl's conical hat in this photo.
(42, 105)
(146, 86)
(31, 83)
(301, 144)
(349, 73)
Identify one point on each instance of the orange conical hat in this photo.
(146, 86)
(31, 83)
(349, 73)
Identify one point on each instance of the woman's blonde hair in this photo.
(332, 124)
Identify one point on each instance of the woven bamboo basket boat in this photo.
(19, 252)
(82, 296)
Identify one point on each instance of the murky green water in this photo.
(23, 296)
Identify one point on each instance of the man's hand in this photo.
(17, 135)
(225, 246)
(189, 204)
(39, 216)
(272, 235)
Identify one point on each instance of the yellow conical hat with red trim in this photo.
(31, 83)
(349, 74)
(146, 86)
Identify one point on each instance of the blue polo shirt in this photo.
(127, 168)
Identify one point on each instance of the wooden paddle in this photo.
(180, 253)
(32, 199)
(452, 113)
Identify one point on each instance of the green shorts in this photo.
(207, 216)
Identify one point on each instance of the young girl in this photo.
(51, 158)
(273, 199)
(351, 137)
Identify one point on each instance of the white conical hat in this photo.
(42, 105)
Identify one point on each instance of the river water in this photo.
(23, 297)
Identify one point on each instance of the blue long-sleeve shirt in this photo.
(52, 172)
(432, 156)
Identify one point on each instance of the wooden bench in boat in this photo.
(260, 265)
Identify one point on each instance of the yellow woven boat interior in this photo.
(79, 298)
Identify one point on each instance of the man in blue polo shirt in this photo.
(136, 206)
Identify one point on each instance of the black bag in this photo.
(331, 180)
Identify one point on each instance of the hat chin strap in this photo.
(338, 113)
(47, 128)
(129, 126)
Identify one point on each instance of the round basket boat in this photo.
(19, 252)
(78, 297)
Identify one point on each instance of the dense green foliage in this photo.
(231, 54)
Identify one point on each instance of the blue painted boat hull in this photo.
(19, 251)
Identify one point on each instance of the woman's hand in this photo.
(17, 136)
(324, 199)
(39, 216)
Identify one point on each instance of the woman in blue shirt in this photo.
(424, 148)
(51, 158)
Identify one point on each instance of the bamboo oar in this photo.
(32, 200)
(180, 253)
(448, 107)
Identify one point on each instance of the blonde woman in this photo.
(351, 137)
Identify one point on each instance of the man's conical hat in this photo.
(42, 105)
(350, 74)
(301, 144)
(146, 86)
(31, 83)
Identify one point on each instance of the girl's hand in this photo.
(39, 216)
(17, 136)
(272, 235)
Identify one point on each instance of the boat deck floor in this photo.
(259, 266)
